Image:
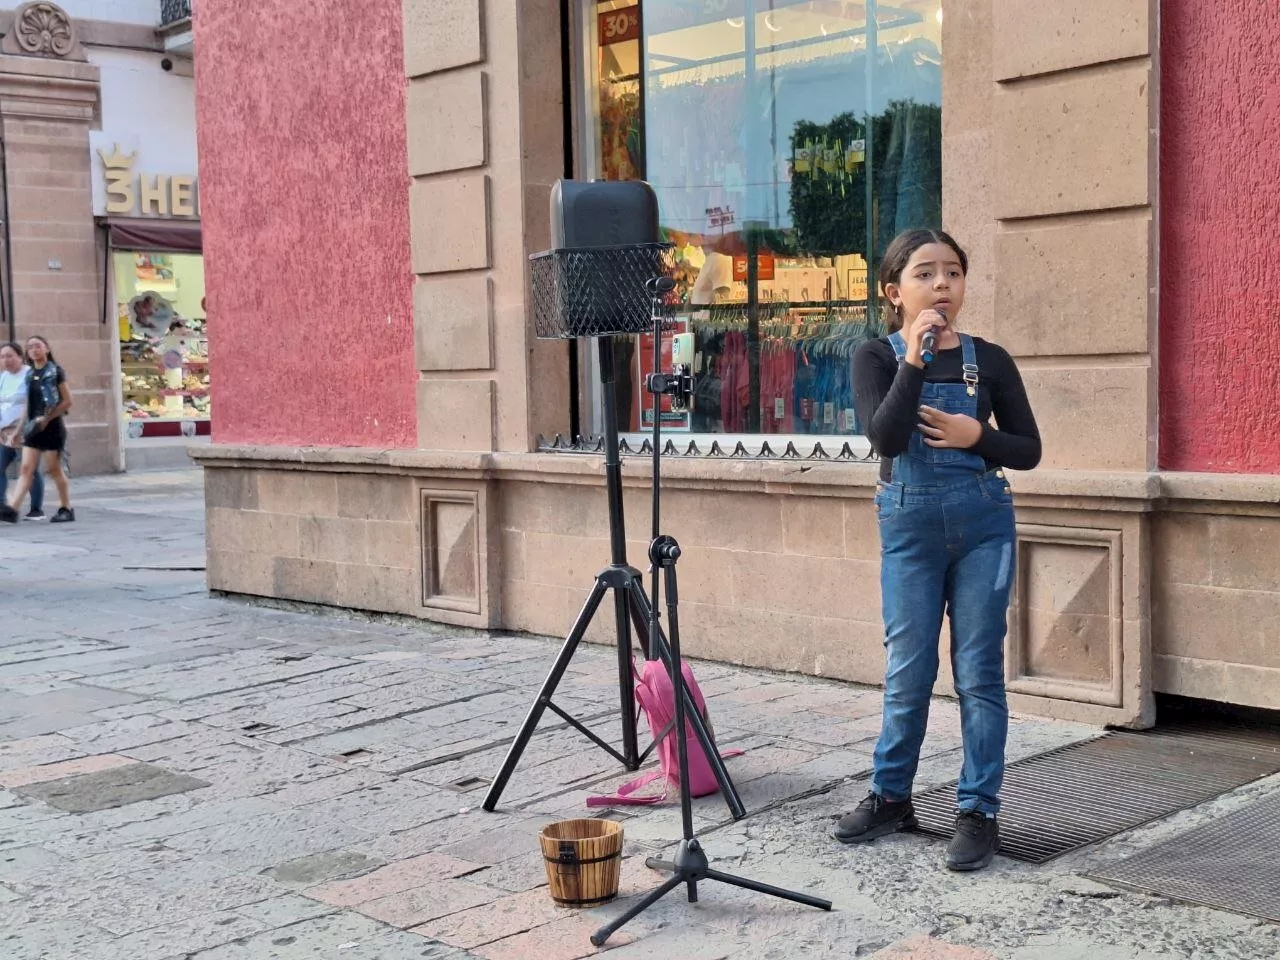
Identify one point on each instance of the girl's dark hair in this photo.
(12, 346)
(899, 254)
(47, 349)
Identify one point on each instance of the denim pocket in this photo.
(886, 505)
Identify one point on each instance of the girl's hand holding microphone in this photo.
(925, 321)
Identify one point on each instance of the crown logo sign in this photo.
(117, 160)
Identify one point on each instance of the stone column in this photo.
(1051, 116)
(485, 132)
(49, 99)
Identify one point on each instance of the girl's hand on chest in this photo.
(957, 431)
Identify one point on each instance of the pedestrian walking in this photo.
(44, 433)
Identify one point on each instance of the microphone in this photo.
(929, 343)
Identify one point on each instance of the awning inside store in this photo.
(166, 236)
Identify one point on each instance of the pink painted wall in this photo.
(1220, 236)
(304, 195)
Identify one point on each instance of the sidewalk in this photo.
(184, 776)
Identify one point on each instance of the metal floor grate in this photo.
(1085, 792)
(1230, 864)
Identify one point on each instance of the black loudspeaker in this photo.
(606, 247)
(603, 213)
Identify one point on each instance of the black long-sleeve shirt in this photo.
(887, 398)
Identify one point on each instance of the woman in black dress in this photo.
(45, 435)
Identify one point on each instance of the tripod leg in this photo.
(772, 891)
(544, 695)
(626, 682)
(640, 614)
(608, 930)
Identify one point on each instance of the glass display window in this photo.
(164, 355)
(788, 143)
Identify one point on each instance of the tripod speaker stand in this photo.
(600, 290)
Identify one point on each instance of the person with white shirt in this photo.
(13, 414)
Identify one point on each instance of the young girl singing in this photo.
(945, 514)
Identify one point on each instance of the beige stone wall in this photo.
(1217, 590)
(334, 532)
(780, 565)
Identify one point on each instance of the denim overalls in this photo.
(946, 541)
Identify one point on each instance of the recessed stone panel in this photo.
(451, 528)
(1066, 637)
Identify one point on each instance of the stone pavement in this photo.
(184, 776)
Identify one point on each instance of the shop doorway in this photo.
(158, 299)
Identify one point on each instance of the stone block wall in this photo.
(1217, 590)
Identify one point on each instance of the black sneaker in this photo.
(64, 515)
(34, 515)
(875, 817)
(975, 842)
(8, 514)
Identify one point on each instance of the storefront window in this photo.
(164, 356)
(788, 142)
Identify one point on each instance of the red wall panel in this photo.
(1220, 236)
(304, 195)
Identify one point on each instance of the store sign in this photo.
(764, 266)
(618, 26)
(719, 217)
(144, 194)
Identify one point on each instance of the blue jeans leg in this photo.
(7, 456)
(913, 570)
(978, 593)
(37, 489)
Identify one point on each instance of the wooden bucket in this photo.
(584, 860)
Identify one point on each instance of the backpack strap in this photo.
(624, 798)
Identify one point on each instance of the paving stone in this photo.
(516, 875)
(57, 771)
(341, 936)
(197, 933)
(32, 751)
(119, 735)
(21, 864)
(270, 840)
(928, 948)
(397, 805)
(283, 911)
(515, 837)
(113, 787)
(565, 939)
(337, 784)
(34, 938)
(416, 872)
(504, 917)
(321, 867)
(411, 908)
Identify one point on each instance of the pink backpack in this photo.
(656, 696)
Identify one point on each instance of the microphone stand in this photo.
(690, 865)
